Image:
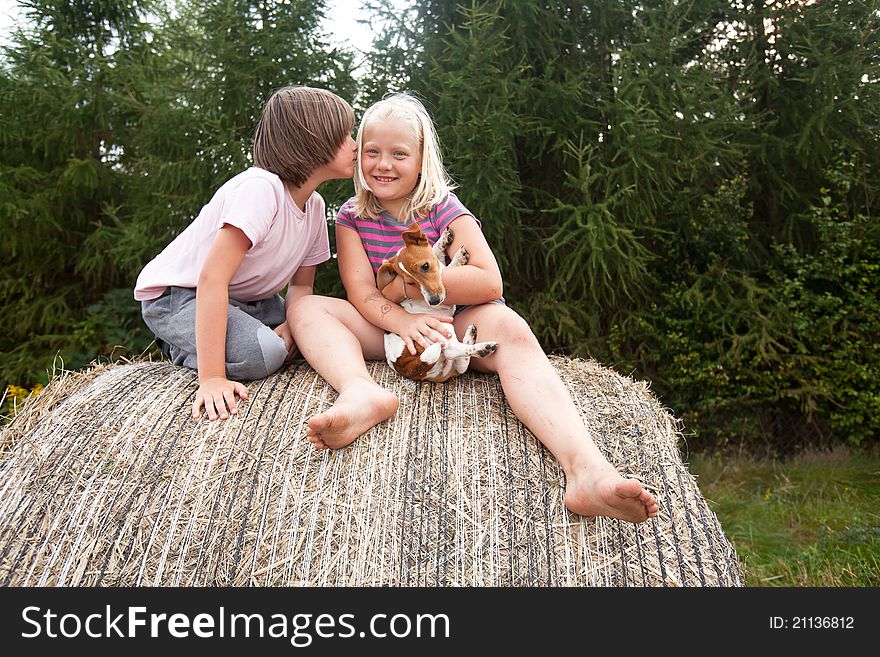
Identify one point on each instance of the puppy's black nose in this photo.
(434, 299)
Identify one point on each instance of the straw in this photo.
(106, 480)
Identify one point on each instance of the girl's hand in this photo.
(216, 395)
(424, 330)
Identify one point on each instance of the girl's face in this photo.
(391, 161)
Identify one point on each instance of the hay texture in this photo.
(106, 480)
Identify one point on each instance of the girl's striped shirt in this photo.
(382, 237)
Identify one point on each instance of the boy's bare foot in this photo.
(359, 407)
(606, 493)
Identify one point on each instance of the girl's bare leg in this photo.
(335, 339)
(540, 400)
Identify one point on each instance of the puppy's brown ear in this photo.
(414, 235)
(386, 274)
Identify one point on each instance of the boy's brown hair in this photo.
(301, 129)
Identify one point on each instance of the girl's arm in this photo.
(479, 281)
(360, 286)
(216, 393)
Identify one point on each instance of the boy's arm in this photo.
(216, 393)
(301, 284)
(360, 287)
(479, 281)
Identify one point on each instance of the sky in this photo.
(341, 22)
(8, 16)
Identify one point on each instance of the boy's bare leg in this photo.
(538, 397)
(334, 339)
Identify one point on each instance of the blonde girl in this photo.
(400, 178)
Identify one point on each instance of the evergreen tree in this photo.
(64, 120)
(115, 132)
(806, 77)
(649, 174)
(579, 132)
(222, 61)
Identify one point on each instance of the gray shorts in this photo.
(253, 349)
(459, 309)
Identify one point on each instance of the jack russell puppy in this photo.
(420, 263)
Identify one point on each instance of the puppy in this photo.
(420, 263)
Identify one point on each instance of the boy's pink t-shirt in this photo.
(283, 239)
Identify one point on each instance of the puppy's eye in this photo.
(425, 267)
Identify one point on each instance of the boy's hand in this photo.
(424, 330)
(216, 395)
(283, 332)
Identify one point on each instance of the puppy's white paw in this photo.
(461, 257)
(470, 335)
(445, 239)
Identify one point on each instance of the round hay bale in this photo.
(106, 480)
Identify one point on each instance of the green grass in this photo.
(812, 520)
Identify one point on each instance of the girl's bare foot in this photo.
(359, 407)
(605, 493)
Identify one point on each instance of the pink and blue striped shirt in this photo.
(382, 237)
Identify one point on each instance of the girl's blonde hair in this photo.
(433, 185)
